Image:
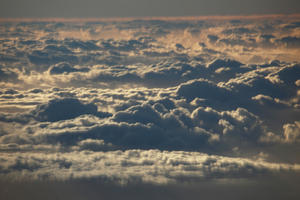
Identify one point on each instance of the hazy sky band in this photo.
(167, 18)
(140, 8)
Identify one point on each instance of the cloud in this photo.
(289, 135)
(292, 132)
(150, 166)
(290, 42)
(61, 109)
(204, 89)
(94, 145)
(84, 45)
(159, 124)
(238, 31)
(216, 64)
(51, 56)
(288, 75)
(293, 25)
(212, 38)
(7, 75)
(64, 67)
(143, 114)
(150, 102)
(123, 132)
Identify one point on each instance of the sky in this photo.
(142, 8)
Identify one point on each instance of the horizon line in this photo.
(169, 18)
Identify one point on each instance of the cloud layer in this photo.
(156, 102)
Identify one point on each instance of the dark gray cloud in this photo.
(55, 55)
(84, 45)
(64, 67)
(238, 31)
(204, 89)
(212, 38)
(290, 42)
(7, 75)
(61, 109)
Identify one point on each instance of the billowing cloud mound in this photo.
(150, 101)
(203, 89)
(62, 109)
